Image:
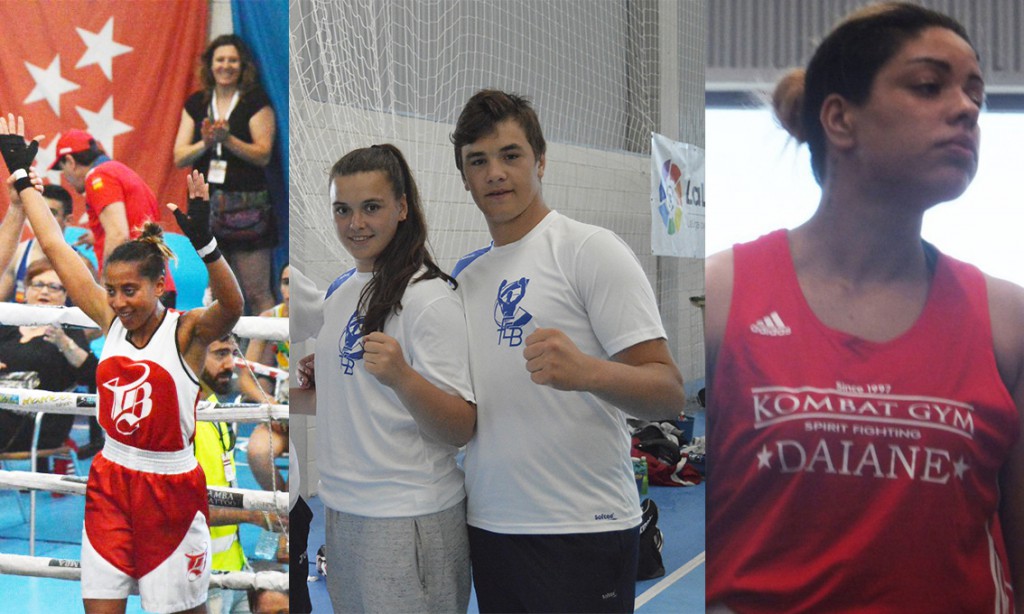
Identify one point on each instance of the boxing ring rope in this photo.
(35, 401)
(261, 369)
(220, 496)
(68, 569)
(18, 314)
(84, 404)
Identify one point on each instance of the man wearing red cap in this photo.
(117, 200)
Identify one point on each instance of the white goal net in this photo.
(366, 72)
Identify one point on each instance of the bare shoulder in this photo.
(718, 282)
(1006, 309)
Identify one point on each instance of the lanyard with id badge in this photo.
(218, 171)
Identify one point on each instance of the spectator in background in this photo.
(227, 133)
(274, 354)
(266, 601)
(61, 359)
(12, 280)
(215, 451)
(268, 440)
(117, 200)
(15, 261)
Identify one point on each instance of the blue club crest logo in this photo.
(508, 315)
(350, 344)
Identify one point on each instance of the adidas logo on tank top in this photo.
(771, 325)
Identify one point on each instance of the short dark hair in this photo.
(253, 596)
(485, 110)
(59, 194)
(846, 63)
(87, 157)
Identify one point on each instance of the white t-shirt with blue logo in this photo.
(372, 458)
(544, 460)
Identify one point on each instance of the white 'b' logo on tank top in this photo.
(132, 402)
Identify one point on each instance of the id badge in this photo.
(229, 467)
(218, 171)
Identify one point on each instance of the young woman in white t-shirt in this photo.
(394, 401)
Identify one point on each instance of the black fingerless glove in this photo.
(18, 155)
(196, 226)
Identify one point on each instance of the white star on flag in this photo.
(49, 84)
(764, 458)
(102, 125)
(101, 48)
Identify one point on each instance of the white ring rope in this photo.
(18, 314)
(261, 369)
(84, 404)
(67, 569)
(238, 498)
(259, 327)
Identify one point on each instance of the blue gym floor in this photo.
(681, 518)
(59, 535)
(59, 522)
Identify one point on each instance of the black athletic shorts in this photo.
(575, 572)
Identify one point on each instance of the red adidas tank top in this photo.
(849, 475)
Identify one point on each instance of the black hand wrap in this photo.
(196, 226)
(18, 155)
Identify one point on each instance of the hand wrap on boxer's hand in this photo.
(196, 226)
(18, 155)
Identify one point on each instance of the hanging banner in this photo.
(118, 69)
(677, 198)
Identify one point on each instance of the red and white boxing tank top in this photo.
(147, 395)
(848, 475)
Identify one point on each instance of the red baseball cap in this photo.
(72, 142)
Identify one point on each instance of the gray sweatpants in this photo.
(417, 564)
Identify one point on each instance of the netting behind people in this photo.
(399, 72)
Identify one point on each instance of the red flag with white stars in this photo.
(118, 69)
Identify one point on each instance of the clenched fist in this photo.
(554, 360)
(382, 356)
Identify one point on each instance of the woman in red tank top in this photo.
(132, 285)
(866, 391)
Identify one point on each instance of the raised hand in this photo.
(12, 191)
(196, 223)
(17, 154)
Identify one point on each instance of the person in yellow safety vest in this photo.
(214, 449)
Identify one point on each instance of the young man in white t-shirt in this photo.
(564, 337)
